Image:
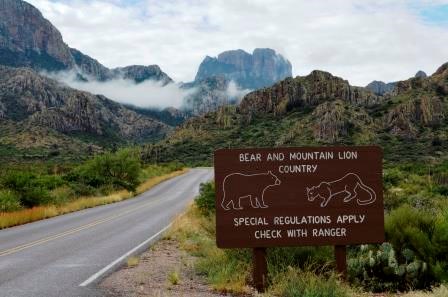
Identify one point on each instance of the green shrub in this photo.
(415, 255)
(61, 195)
(31, 190)
(408, 228)
(206, 199)
(9, 201)
(33, 196)
(120, 169)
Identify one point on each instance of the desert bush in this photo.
(120, 169)
(415, 255)
(31, 190)
(206, 199)
(61, 195)
(9, 201)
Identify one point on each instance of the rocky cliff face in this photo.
(260, 69)
(90, 67)
(306, 91)
(28, 98)
(28, 39)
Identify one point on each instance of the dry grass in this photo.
(133, 261)
(9, 219)
(441, 291)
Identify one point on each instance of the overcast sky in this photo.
(357, 40)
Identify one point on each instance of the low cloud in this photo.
(234, 91)
(147, 94)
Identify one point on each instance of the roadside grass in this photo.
(132, 261)
(173, 277)
(19, 217)
(229, 270)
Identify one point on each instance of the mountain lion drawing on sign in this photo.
(348, 184)
(237, 186)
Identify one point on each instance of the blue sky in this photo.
(435, 14)
(360, 41)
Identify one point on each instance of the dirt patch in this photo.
(165, 270)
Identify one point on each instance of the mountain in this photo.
(27, 39)
(382, 88)
(28, 99)
(260, 69)
(410, 123)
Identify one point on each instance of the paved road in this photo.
(54, 257)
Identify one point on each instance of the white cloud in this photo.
(146, 94)
(360, 41)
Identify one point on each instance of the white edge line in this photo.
(120, 259)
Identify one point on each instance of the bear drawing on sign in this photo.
(348, 184)
(237, 186)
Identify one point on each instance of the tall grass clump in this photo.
(305, 283)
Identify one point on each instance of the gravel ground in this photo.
(151, 277)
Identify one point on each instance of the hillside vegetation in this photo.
(410, 123)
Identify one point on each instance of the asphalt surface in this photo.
(54, 257)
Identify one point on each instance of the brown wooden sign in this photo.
(299, 196)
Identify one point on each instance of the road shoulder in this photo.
(164, 270)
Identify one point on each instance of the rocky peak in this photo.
(260, 69)
(28, 39)
(380, 88)
(140, 73)
(420, 74)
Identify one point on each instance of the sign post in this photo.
(340, 253)
(298, 196)
(260, 269)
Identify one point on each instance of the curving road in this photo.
(69, 254)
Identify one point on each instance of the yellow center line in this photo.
(72, 231)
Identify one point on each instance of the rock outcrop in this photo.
(306, 91)
(406, 118)
(262, 68)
